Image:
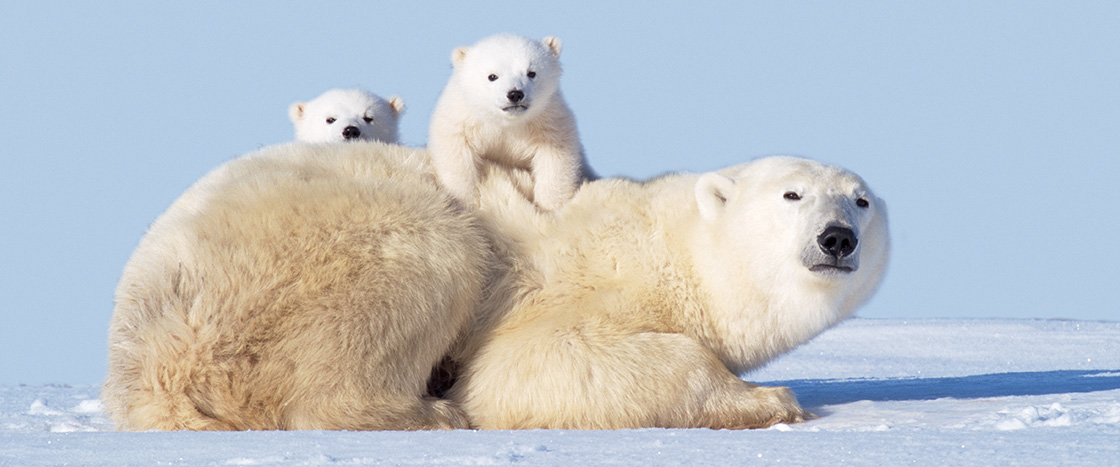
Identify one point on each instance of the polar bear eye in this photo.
(792, 196)
(330, 120)
(368, 119)
(492, 77)
(862, 202)
(531, 74)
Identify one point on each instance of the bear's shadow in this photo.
(814, 393)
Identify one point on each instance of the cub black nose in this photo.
(351, 132)
(515, 96)
(838, 241)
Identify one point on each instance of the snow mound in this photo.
(51, 409)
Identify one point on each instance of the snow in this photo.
(923, 392)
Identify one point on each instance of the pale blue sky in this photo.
(992, 129)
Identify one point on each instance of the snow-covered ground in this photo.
(887, 392)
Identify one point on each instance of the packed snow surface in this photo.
(886, 392)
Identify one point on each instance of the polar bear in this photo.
(639, 303)
(503, 105)
(316, 287)
(347, 115)
(298, 287)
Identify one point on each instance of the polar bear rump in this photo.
(300, 287)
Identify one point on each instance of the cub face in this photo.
(506, 76)
(347, 115)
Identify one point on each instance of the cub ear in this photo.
(397, 104)
(458, 55)
(553, 43)
(713, 191)
(295, 112)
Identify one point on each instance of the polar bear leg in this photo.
(556, 175)
(585, 376)
(457, 170)
(330, 412)
(746, 405)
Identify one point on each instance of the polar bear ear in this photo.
(295, 112)
(397, 104)
(553, 43)
(458, 55)
(713, 191)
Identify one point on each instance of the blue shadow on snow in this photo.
(818, 392)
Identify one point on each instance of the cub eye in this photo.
(862, 203)
(492, 77)
(792, 196)
(531, 74)
(368, 119)
(330, 120)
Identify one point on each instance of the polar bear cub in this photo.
(503, 105)
(641, 303)
(347, 115)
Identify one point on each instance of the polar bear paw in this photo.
(446, 415)
(777, 404)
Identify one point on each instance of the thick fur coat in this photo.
(300, 287)
(316, 286)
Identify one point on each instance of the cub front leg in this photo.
(456, 168)
(557, 173)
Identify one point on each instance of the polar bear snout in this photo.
(839, 242)
(833, 252)
(351, 132)
(517, 102)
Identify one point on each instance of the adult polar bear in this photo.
(257, 302)
(641, 302)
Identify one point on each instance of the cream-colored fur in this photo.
(477, 122)
(637, 304)
(316, 286)
(299, 287)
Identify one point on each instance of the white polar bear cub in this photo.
(347, 115)
(503, 104)
(641, 303)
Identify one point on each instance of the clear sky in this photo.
(991, 129)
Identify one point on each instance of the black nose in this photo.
(351, 132)
(515, 96)
(838, 241)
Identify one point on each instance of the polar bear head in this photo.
(346, 115)
(507, 76)
(809, 239)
